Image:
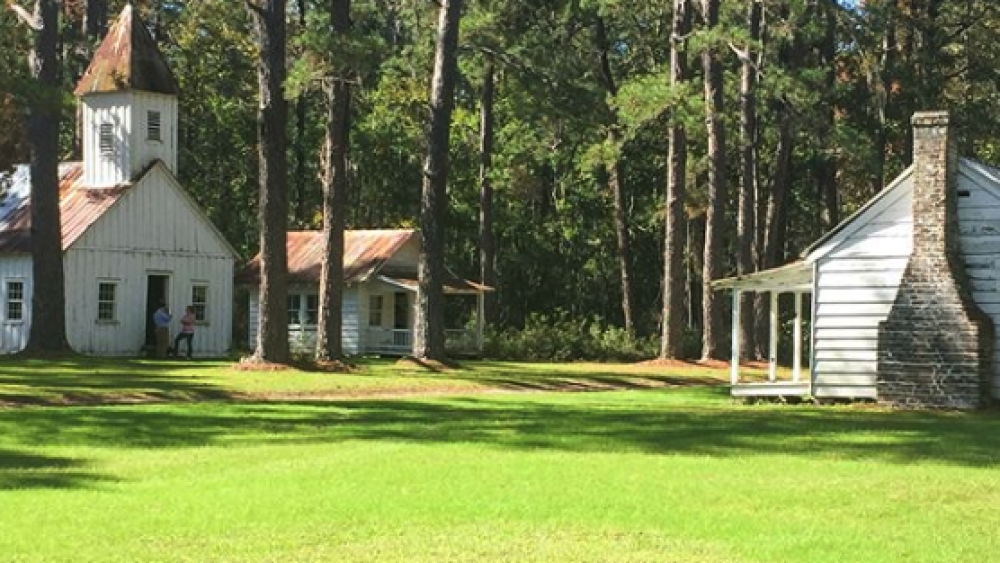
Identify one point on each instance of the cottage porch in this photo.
(795, 279)
(391, 342)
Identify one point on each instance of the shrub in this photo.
(562, 338)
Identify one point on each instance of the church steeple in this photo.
(129, 100)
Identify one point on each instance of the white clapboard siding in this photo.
(155, 229)
(111, 108)
(864, 265)
(156, 215)
(853, 322)
(849, 280)
(126, 335)
(866, 379)
(14, 332)
(860, 268)
(857, 332)
(856, 285)
(852, 310)
(886, 227)
(253, 319)
(843, 367)
(143, 150)
(979, 225)
(869, 355)
(304, 341)
(350, 328)
(856, 295)
(845, 392)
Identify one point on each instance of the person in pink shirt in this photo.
(186, 333)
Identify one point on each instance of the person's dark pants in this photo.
(189, 337)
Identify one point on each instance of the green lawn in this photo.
(92, 380)
(666, 474)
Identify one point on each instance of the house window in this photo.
(15, 300)
(312, 309)
(199, 302)
(106, 140)
(375, 310)
(153, 120)
(294, 309)
(107, 301)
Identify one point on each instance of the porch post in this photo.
(797, 335)
(772, 360)
(480, 321)
(734, 368)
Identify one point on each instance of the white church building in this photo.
(131, 235)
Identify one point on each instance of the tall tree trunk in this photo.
(826, 170)
(747, 217)
(713, 330)
(777, 204)
(95, 20)
(48, 302)
(301, 106)
(487, 241)
(429, 336)
(329, 340)
(696, 259)
(272, 117)
(883, 91)
(615, 181)
(674, 280)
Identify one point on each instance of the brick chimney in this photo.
(935, 348)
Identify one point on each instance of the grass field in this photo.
(662, 472)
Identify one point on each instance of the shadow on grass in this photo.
(96, 381)
(581, 377)
(690, 422)
(23, 470)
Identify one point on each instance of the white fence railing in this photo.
(388, 341)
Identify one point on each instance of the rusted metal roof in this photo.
(453, 285)
(128, 59)
(365, 252)
(79, 207)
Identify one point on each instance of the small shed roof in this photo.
(366, 255)
(797, 276)
(79, 207)
(365, 252)
(128, 59)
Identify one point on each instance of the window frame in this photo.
(7, 301)
(297, 297)
(114, 284)
(311, 298)
(200, 307)
(106, 139)
(154, 125)
(376, 313)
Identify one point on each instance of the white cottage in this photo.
(131, 235)
(379, 303)
(904, 293)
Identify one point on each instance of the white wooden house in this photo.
(131, 235)
(853, 278)
(379, 303)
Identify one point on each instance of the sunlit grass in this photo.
(678, 474)
(96, 380)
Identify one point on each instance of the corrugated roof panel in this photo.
(365, 252)
(79, 208)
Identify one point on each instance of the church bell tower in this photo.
(128, 97)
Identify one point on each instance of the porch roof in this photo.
(453, 285)
(794, 277)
